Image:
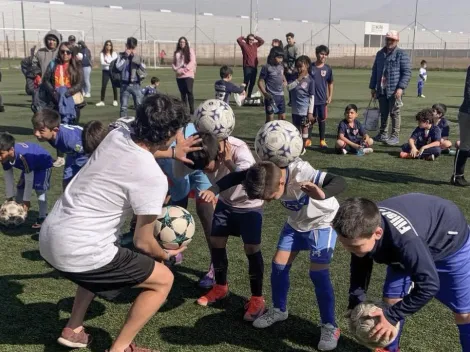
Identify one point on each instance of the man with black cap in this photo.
(72, 40)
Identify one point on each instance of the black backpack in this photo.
(115, 74)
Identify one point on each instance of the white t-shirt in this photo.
(424, 73)
(119, 178)
(305, 213)
(105, 60)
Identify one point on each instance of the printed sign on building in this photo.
(376, 28)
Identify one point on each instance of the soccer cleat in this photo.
(430, 157)
(217, 293)
(308, 143)
(459, 181)
(329, 337)
(381, 137)
(101, 103)
(272, 315)
(115, 103)
(208, 280)
(72, 339)
(254, 308)
(368, 150)
(323, 144)
(393, 140)
(59, 162)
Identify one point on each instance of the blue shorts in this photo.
(42, 180)
(320, 242)
(73, 165)
(299, 121)
(320, 112)
(454, 277)
(230, 221)
(277, 100)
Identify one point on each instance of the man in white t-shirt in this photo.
(79, 236)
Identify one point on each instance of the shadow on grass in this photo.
(39, 323)
(21, 105)
(25, 131)
(24, 229)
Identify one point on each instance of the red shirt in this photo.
(250, 52)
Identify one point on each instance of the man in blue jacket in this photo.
(391, 74)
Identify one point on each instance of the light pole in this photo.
(414, 33)
(329, 26)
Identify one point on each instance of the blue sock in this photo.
(325, 295)
(395, 345)
(464, 331)
(280, 285)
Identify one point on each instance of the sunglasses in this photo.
(109, 44)
(68, 52)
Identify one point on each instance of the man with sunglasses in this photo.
(249, 46)
(391, 74)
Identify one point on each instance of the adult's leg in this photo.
(124, 100)
(246, 78)
(464, 150)
(86, 74)
(253, 74)
(182, 88)
(104, 83)
(384, 112)
(189, 89)
(395, 116)
(82, 301)
(137, 95)
(2, 108)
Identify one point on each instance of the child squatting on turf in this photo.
(352, 137)
(425, 141)
(79, 236)
(309, 196)
(424, 240)
(440, 120)
(224, 86)
(235, 214)
(67, 139)
(35, 164)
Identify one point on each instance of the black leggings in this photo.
(105, 77)
(185, 85)
(249, 74)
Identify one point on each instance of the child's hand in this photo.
(26, 205)
(311, 118)
(268, 96)
(207, 196)
(185, 146)
(312, 190)
(421, 151)
(414, 152)
(226, 153)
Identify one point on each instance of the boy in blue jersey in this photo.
(323, 76)
(439, 112)
(309, 196)
(224, 87)
(271, 84)
(352, 137)
(302, 94)
(35, 164)
(66, 139)
(425, 141)
(423, 239)
(152, 88)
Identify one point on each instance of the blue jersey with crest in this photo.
(424, 137)
(69, 141)
(30, 157)
(322, 76)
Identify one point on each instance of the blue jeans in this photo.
(86, 79)
(126, 91)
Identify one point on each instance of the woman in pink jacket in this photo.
(184, 64)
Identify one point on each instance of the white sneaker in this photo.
(115, 103)
(59, 162)
(344, 151)
(368, 150)
(87, 95)
(303, 152)
(329, 337)
(273, 315)
(101, 103)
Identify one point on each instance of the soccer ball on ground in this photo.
(278, 141)
(174, 228)
(216, 117)
(360, 325)
(12, 214)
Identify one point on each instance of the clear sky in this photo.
(432, 14)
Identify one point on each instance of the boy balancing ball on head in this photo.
(424, 240)
(79, 236)
(35, 164)
(425, 141)
(352, 137)
(66, 139)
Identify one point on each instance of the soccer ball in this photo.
(216, 117)
(174, 228)
(12, 214)
(361, 324)
(279, 142)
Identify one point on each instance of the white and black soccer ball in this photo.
(12, 214)
(278, 141)
(174, 228)
(216, 117)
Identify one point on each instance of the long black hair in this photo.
(185, 51)
(74, 69)
(104, 47)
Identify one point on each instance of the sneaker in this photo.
(254, 308)
(430, 158)
(217, 293)
(381, 137)
(208, 280)
(329, 337)
(308, 143)
(323, 144)
(421, 96)
(59, 162)
(459, 181)
(393, 140)
(133, 348)
(273, 315)
(101, 103)
(87, 95)
(303, 151)
(344, 151)
(115, 103)
(37, 225)
(72, 339)
(368, 150)
(452, 152)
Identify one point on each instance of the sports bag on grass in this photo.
(372, 116)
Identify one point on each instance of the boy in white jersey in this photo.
(235, 214)
(308, 194)
(422, 78)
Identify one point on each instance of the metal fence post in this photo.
(355, 54)
(444, 55)
(234, 54)
(213, 63)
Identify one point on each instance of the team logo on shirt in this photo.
(323, 73)
(304, 85)
(78, 148)
(398, 221)
(353, 131)
(296, 205)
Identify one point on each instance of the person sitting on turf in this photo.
(425, 141)
(352, 137)
(439, 111)
(425, 241)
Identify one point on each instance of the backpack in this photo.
(115, 74)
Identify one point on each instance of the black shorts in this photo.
(127, 269)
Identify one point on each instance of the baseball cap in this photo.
(393, 35)
(72, 38)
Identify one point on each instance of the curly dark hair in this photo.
(158, 119)
(303, 59)
(93, 134)
(185, 51)
(425, 115)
